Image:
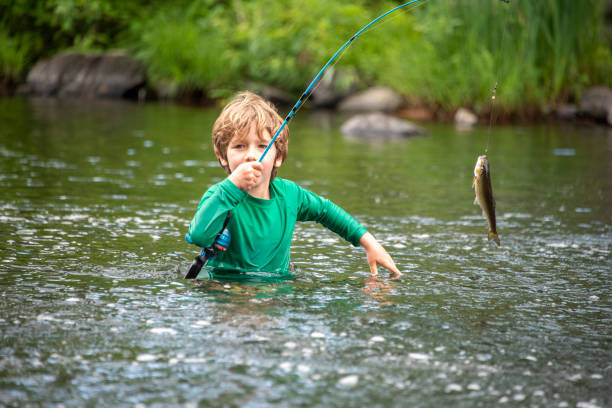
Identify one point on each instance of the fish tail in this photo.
(494, 236)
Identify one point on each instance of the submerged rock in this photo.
(92, 76)
(374, 99)
(376, 125)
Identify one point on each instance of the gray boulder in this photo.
(465, 118)
(90, 76)
(374, 99)
(567, 111)
(377, 125)
(597, 103)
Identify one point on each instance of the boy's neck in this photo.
(262, 191)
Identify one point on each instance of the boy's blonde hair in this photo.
(236, 119)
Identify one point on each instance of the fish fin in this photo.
(494, 236)
(474, 182)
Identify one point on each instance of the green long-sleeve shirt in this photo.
(261, 230)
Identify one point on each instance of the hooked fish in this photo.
(484, 194)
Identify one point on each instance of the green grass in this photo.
(536, 52)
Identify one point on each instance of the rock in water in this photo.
(379, 125)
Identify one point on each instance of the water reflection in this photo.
(379, 290)
(244, 290)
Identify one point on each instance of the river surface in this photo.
(95, 201)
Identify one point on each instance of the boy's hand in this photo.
(247, 175)
(377, 255)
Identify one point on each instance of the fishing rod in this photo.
(310, 88)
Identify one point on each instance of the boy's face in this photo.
(250, 147)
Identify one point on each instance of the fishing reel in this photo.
(220, 245)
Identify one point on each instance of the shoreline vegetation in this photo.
(440, 55)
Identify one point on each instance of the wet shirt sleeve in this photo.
(211, 212)
(312, 207)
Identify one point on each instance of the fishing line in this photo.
(310, 87)
(396, 16)
(490, 118)
(494, 91)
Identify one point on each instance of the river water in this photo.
(96, 198)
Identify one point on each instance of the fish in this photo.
(484, 195)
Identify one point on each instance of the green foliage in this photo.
(14, 52)
(446, 53)
(186, 47)
(287, 45)
(41, 28)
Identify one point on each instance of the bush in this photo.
(14, 55)
(186, 47)
(33, 29)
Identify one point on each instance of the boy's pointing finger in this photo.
(373, 267)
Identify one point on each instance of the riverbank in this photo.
(441, 56)
(120, 76)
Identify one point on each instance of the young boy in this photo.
(264, 209)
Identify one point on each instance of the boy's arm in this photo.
(312, 207)
(315, 208)
(211, 213)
